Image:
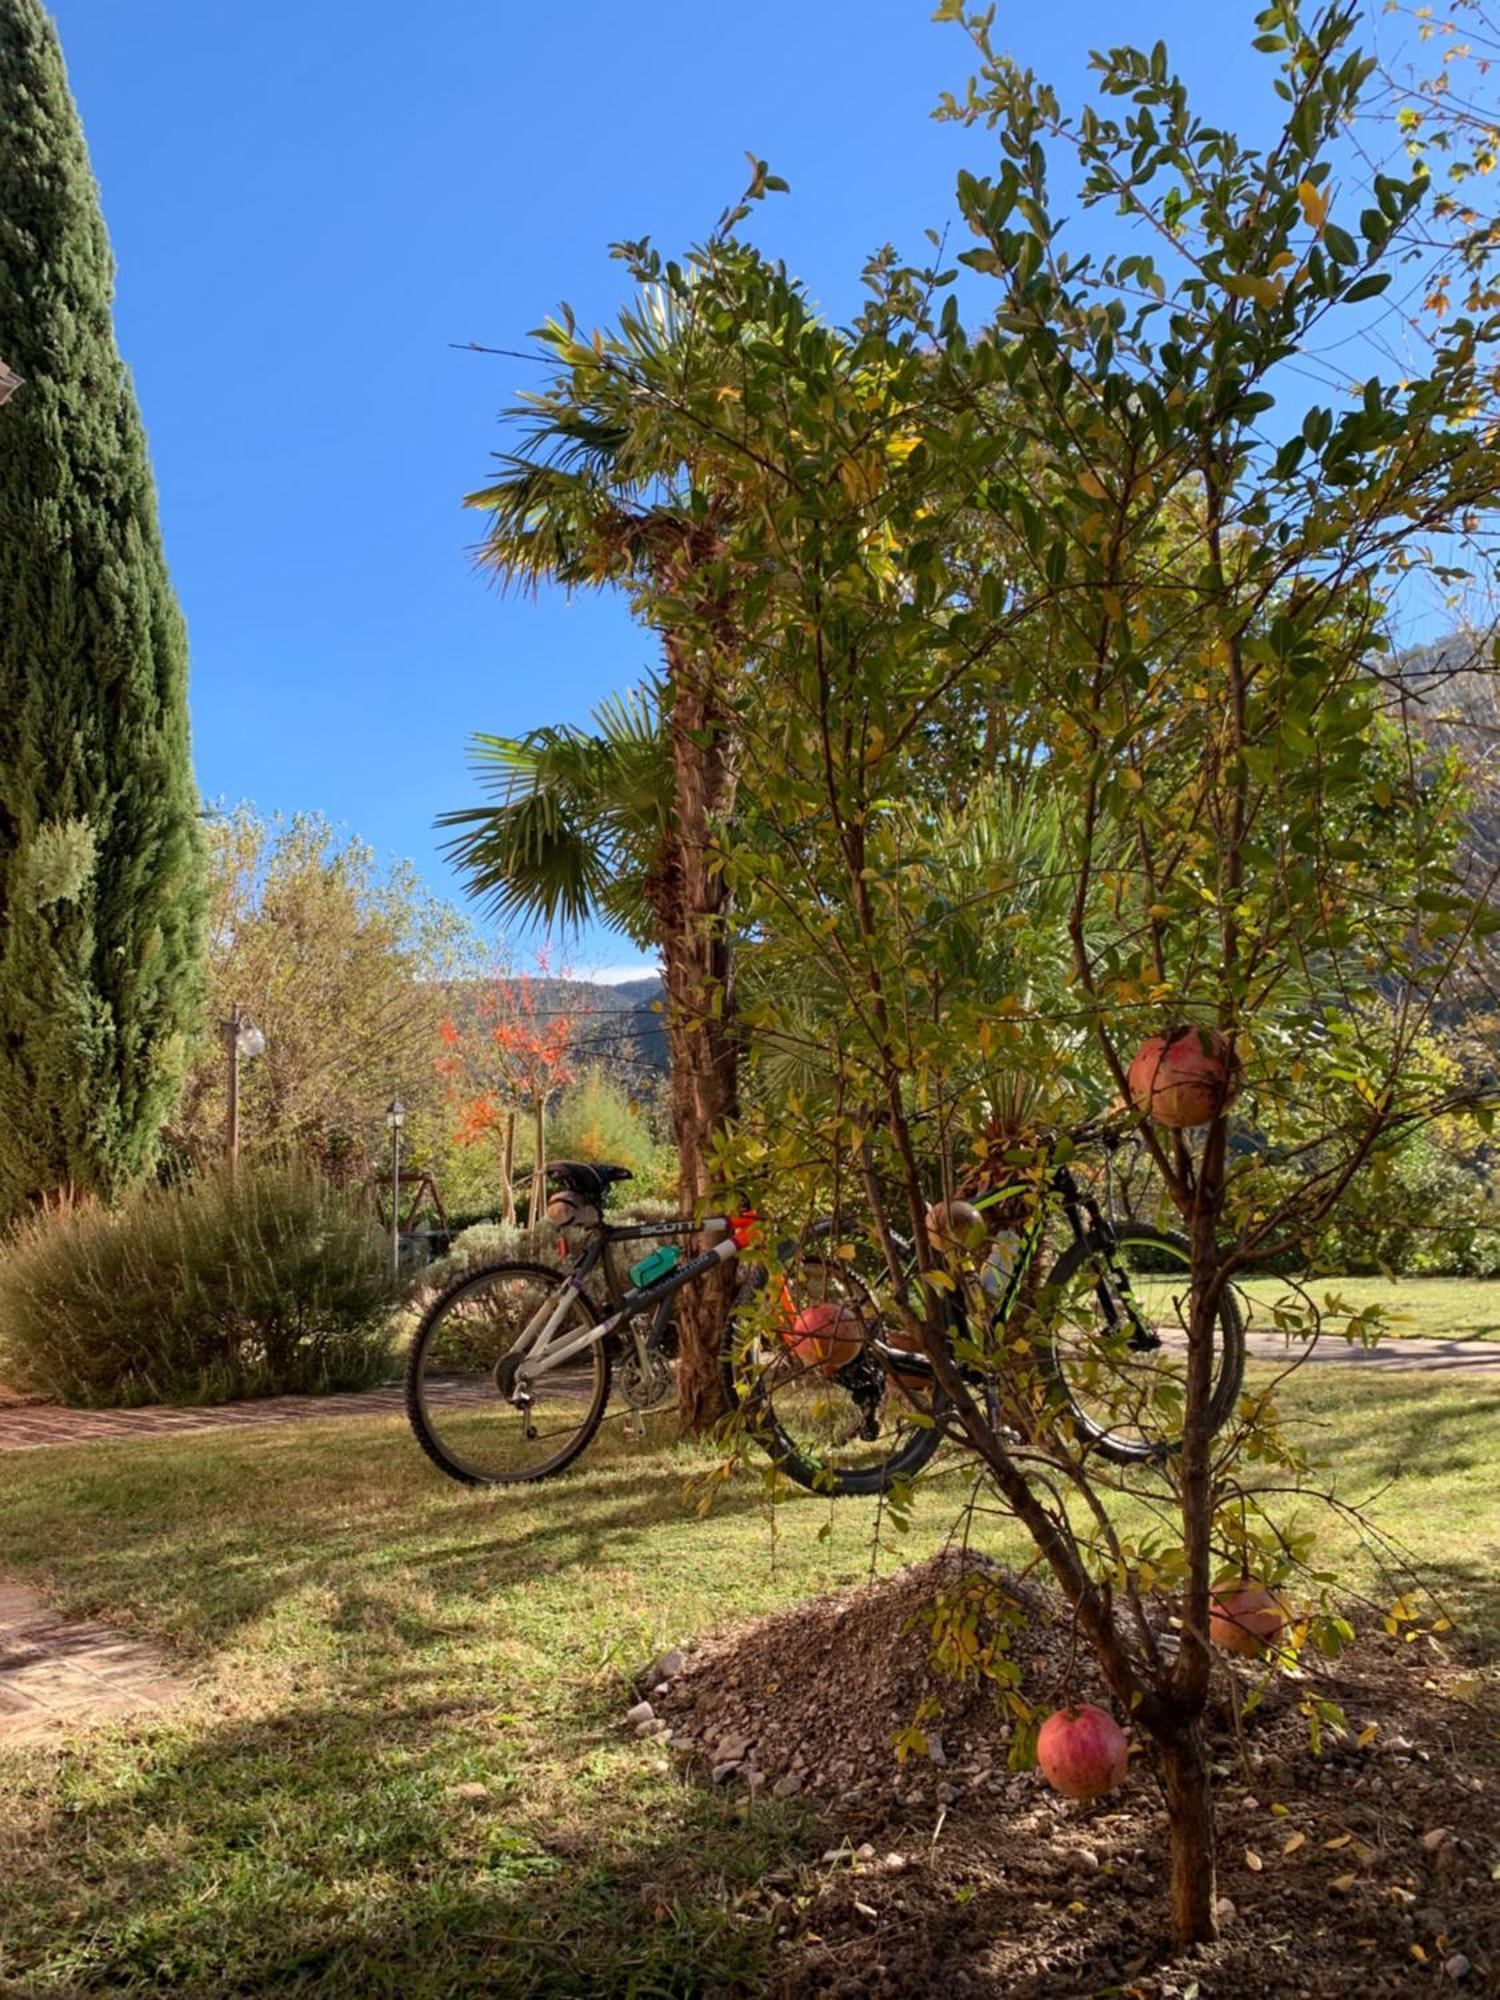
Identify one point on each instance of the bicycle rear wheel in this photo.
(455, 1389)
(1117, 1343)
(815, 1392)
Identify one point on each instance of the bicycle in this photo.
(859, 1409)
(509, 1373)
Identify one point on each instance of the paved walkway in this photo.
(34, 1424)
(1391, 1357)
(57, 1674)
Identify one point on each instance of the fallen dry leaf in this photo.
(1253, 1861)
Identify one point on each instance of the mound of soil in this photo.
(813, 1700)
(1371, 1868)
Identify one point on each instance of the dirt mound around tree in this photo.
(844, 1699)
(1371, 1868)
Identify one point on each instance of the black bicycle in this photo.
(509, 1373)
(847, 1404)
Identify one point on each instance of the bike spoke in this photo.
(815, 1381)
(1119, 1346)
(476, 1429)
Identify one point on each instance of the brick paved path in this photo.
(45, 1423)
(57, 1673)
(24, 1428)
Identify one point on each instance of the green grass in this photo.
(369, 1636)
(1434, 1308)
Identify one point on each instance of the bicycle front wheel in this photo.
(457, 1382)
(816, 1393)
(1117, 1343)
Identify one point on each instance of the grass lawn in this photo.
(370, 1637)
(1436, 1308)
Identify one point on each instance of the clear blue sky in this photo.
(311, 199)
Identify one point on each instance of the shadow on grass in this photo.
(203, 1537)
(325, 1850)
(1431, 1436)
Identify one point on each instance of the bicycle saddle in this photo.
(582, 1178)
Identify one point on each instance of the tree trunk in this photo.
(1190, 1810)
(1190, 1823)
(693, 907)
(508, 1171)
(538, 1206)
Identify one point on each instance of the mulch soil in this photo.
(1371, 1868)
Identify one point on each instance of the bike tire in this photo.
(429, 1436)
(845, 1483)
(1122, 1450)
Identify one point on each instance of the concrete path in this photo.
(58, 1674)
(1393, 1357)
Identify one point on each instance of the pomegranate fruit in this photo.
(1184, 1078)
(826, 1336)
(1082, 1751)
(1246, 1619)
(955, 1226)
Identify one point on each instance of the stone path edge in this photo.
(34, 1425)
(58, 1674)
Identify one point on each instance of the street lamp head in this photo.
(395, 1115)
(252, 1041)
(10, 381)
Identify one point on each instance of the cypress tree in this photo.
(100, 897)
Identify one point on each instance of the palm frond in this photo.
(576, 820)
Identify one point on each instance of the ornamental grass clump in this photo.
(260, 1282)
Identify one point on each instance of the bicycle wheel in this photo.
(822, 1402)
(1126, 1378)
(464, 1421)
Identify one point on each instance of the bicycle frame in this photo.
(1082, 1210)
(537, 1352)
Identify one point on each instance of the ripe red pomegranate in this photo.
(1082, 1752)
(1246, 1619)
(1185, 1077)
(826, 1336)
(955, 1226)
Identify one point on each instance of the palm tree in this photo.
(609, 486)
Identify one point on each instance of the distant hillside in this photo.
(618, 1026)
(623, 1023)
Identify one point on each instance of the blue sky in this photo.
(311, 200)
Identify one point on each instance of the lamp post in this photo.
(395, 1118)
(10, 381)
(241, 1039)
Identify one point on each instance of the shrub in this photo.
(256, 1283)
(596, 1120)
(1426, 1211)
(483, 1243)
